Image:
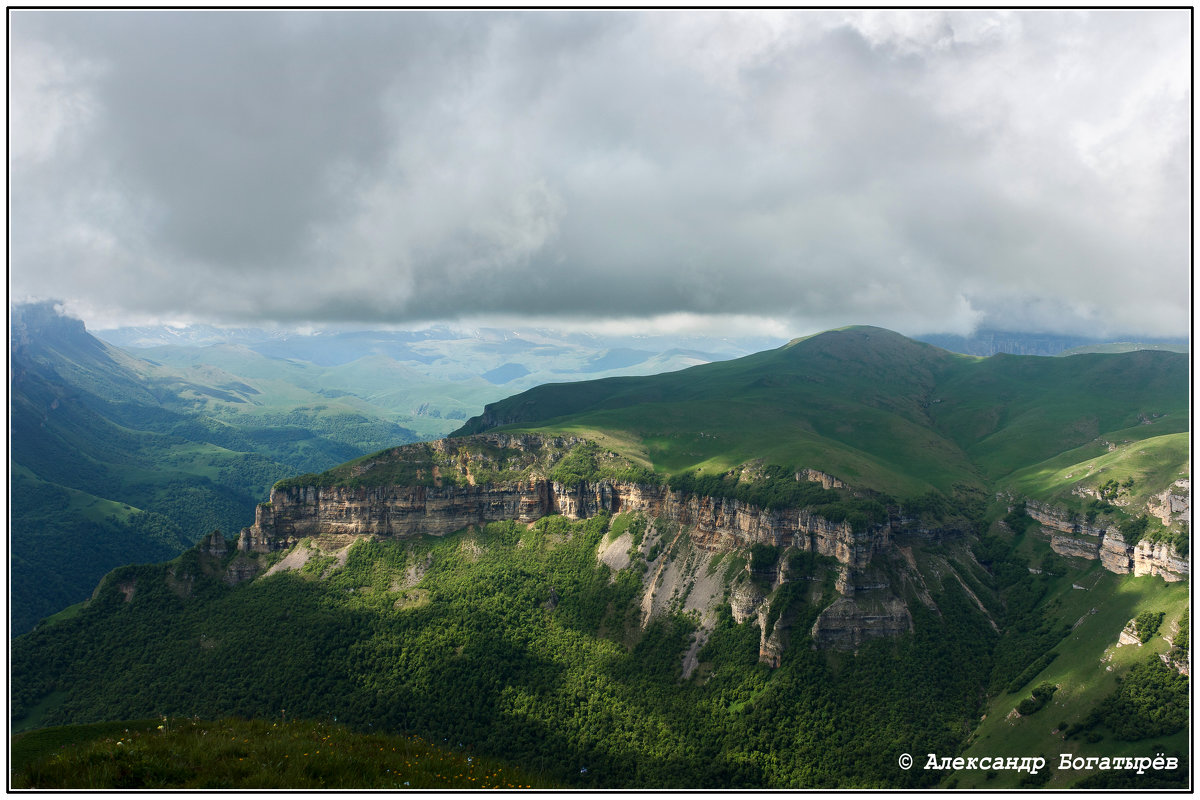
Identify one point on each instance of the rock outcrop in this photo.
(240, 569)
(297, 512)
(214, 545)
(1173, 503)
(850, 621)
(1071, 536)
(716, 523)
(452, 497)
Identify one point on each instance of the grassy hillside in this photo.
(1088, 668)
(848, 402)
(1009, 412)
(113, 460)
(1118, 482)
(879, 411)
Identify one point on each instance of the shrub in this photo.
(1147, 624)
(1031, 671)
(1041, 696)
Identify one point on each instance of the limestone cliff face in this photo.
(716, 523)
(744, 601)
(1073, 537)
(296, 512)
(458, 489)
(1173, 503)
(850, 621)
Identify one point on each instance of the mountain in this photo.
(876, 409)
(783, 570)
(114, 459)
(147, 438)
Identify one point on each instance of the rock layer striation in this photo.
(1070, 536)
(716, 523)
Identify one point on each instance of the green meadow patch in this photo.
(1095, 605)
(174, 753)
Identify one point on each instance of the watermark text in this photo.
(1034, 764)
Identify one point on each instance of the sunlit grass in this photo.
(1096, 604)
(1152, 463)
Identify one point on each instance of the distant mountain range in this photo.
(332, 347)
(991, 342)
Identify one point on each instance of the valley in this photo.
(601, 399)
(132, 447)
(782, 570)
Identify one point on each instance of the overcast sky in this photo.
(774, 172)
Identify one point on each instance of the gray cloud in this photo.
(920, 170)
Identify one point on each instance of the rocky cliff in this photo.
(1071, 536)
(441, 487)
(493, 477)
(296, 512)
(715, 523)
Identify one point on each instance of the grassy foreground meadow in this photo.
(174, 753)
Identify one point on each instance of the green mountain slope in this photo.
(645, 650)
(878, 410)
(169, 753)
(115, 460)
(1009, 412)
(517, 642)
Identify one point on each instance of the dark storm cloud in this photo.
(918, 170)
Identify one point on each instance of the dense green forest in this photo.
(516, 642)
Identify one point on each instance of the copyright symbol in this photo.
(905, 761)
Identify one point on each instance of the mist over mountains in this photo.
(332, 347)
(642, 398)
